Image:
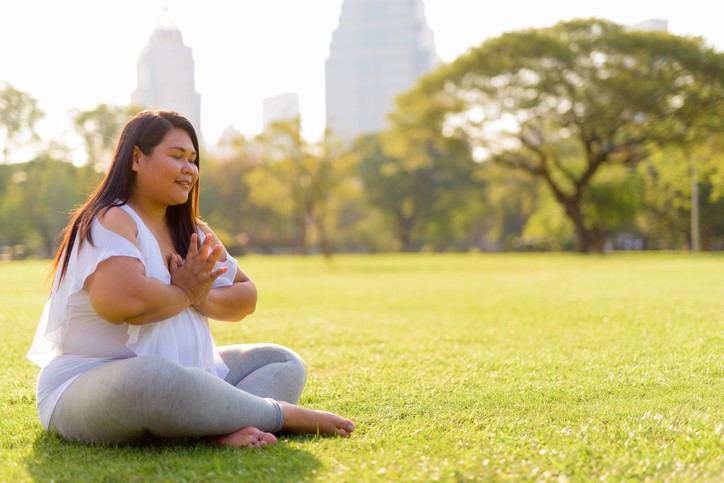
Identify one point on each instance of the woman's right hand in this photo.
(196, 274)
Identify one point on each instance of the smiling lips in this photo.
(185, 183)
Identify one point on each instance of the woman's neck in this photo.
(152, 214)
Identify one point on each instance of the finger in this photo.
(213, 257)
(214, 274)
(216, 252)
(193, 247)
(203, 250)
(173, 264)
(219, 272)
(205, 247)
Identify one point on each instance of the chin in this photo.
(180, 200)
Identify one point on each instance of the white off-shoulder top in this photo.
(72, 338)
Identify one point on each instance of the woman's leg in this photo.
(276, 372)
(128, 400)
(265, 370)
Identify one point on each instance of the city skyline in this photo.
(246, 51)
(379, 50)
(166, 73)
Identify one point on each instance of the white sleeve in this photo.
(82, 263)
(227, 278)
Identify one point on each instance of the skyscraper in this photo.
(379, 49)
(166, 73)
(282, 107)
(651, 25)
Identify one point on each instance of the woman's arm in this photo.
(120, 291)
(231, 303)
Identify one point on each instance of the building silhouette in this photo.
(379, 49)
(282, 107)
(166, 73)
(651, 25)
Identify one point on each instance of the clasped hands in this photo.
(196, 274)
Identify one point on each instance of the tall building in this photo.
(379, 49)
(166, 73)
(651, 25)
(282, 107)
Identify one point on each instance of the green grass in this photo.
(532, 367)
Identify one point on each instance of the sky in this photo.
(76, 54)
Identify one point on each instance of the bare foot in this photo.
(249, 437)
(298, 419)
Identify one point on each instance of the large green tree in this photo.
(301, 181)
(36, 204)
(669, 177)
(225, 189)
(19, 113)
(100, 128)
(417, 194)
(330, 187)
(414, 176)
(568, 102)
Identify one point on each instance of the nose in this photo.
(190, 167)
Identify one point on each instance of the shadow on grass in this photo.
(53, 458)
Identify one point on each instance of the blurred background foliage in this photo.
(583, 136)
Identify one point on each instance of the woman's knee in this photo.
(255, 356)
(293, 360)
(298, 363)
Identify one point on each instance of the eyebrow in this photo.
(193, 153)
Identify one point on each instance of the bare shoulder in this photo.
(214, 239)
(118, 221)
(207, 230)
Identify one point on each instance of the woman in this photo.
(123, 342)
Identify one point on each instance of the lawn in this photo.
(502, 367)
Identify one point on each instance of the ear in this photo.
(136, 158)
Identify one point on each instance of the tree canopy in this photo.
(582, 133)
(100, 128)
(567, 102)
(18, 114)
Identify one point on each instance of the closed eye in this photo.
(180, 153)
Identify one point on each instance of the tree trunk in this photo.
(404, 233)
(325, 243)
(405, 239)
(301, 234)
(588, 240)
(49, 240)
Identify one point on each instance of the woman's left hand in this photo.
(196, 274)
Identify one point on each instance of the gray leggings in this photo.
(141, 398)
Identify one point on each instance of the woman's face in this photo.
(167, 175)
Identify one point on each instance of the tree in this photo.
(39, 199)
(100, 129)
(669, 176)
(401, 195)
(510, 200)
(334, 169)
(288, 170)
(414, 176)
(301, 180)
(18, 114)
(568, 102)
(225, 189)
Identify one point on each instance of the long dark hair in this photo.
(147, 129)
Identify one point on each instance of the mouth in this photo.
(185, 184)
